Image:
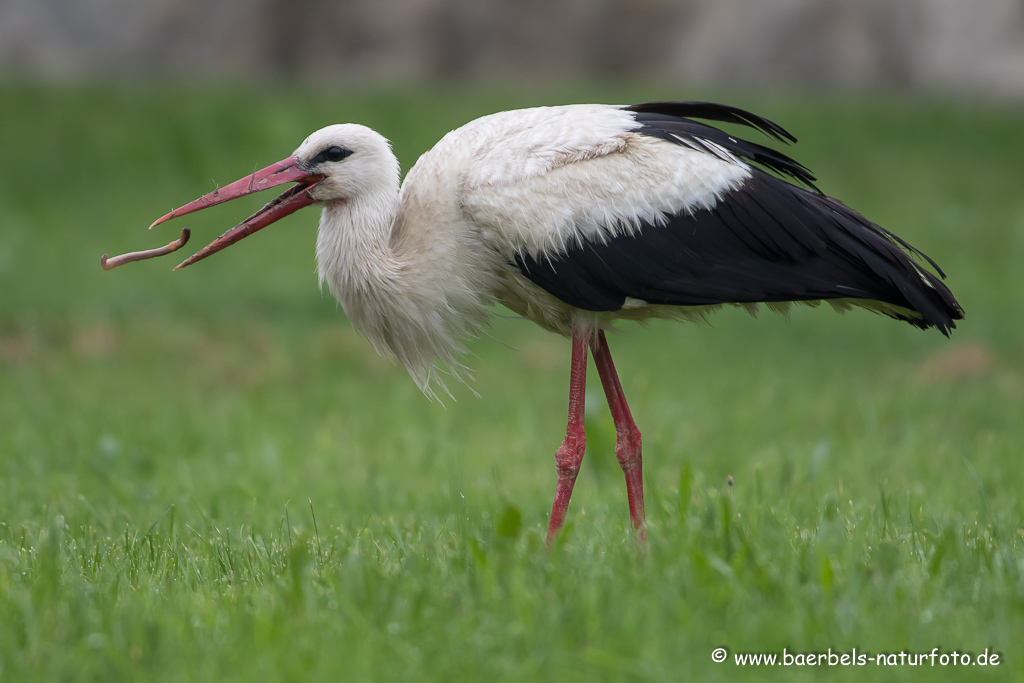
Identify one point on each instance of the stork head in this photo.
(335, 164)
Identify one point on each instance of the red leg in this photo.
(570, 454)
(627, 436)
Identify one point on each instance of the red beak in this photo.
(293, 199)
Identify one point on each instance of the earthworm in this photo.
(116, 261)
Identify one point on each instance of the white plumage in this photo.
(572, 217)
(416, 275)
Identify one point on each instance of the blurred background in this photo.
(874, 464)
(115, 111)
(951, 46)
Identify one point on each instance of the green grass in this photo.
(207, 475)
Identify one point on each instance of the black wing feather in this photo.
(668, 121)
(766, 241)
(710, 111)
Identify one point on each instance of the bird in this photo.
(575, 217)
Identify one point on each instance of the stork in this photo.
(574, 217)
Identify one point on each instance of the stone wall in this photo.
(963, 46)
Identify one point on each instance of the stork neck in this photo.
(353, 244)
(397, 285)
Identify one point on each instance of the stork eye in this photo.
(335, 153)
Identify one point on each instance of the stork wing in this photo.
(677, 217)
(767, 241)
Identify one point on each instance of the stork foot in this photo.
(627, 435)
(627, 451)
(570, 454)
(568, 459)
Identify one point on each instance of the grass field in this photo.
(207, 475)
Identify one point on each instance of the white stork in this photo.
(574, 217)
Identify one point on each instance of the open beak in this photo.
(293, 199)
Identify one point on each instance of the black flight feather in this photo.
(765, 241)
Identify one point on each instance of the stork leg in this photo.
(627, 436)
(570, 454)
